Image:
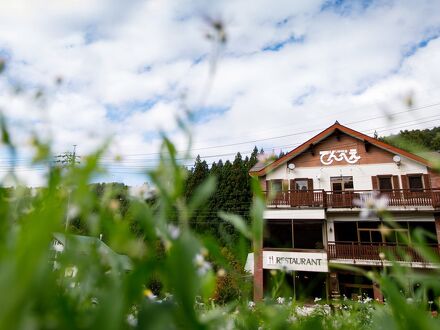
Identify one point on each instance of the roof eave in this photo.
(327, 132)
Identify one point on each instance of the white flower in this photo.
(305, 310)
(72, 211)
(371, 204)
(317, 300)
(251, 305)
(57, 246)
(281, 300)
(174, 231)
(292, 319)
(367, 300)
(71, 271)
(202, 265)
(132, 320)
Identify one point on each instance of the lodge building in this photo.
(313, 217)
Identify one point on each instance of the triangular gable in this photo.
(260, 171)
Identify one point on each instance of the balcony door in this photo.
(342, 191)
(301, 192)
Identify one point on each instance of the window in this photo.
(308, 236)
(348, 183)
(345, 231)
(288, 234)
(278, 234)
(276, 185)
(301, 184)
(385, 183)
(341, 183)
(376, 232)
(415, 182)
(370, 236)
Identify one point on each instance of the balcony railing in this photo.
(377, 251)
(349, 199)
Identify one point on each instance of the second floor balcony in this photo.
(357, 251)
(351, 198)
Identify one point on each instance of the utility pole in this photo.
(67, 159)
(74, 155)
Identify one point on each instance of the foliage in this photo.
(233, 194)
(186, 270)
(428, 139)
(177, 275)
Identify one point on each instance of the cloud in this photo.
(287, 67)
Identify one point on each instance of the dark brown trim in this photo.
(327, 132)
(396, 182)
(375, 182)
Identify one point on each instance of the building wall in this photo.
(435, 179)
(373, 161)
(369, 154)
(361, 173)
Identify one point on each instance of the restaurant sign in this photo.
(296, 261)
(327, 157)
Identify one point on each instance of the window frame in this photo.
(300, 179)
(419, 176)
(343, 179)
(272, 183)
(387, 176)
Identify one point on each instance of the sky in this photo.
(85, 72)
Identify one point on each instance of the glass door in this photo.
(342, 191)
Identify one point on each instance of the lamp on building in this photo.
(291, 166)
(397, 160)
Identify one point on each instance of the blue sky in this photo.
(128, 69)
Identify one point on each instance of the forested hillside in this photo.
(426, 138)
(233, 192)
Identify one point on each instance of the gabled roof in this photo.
(84, 244)
(260, 170)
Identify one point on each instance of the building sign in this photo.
(329, 156)
(297, 261)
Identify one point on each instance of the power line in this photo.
(118, 167)
(282, 146)
(390, 115)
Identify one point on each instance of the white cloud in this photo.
(138, 57)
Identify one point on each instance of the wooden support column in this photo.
(334, 286)
(437, 227)
(377, 294)
(258, 271)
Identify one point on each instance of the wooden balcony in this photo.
(350, 199)
(372, 251)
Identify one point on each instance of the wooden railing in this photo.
(291, 198)
(376, 251)
(353, 198)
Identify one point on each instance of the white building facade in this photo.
(315, 216)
